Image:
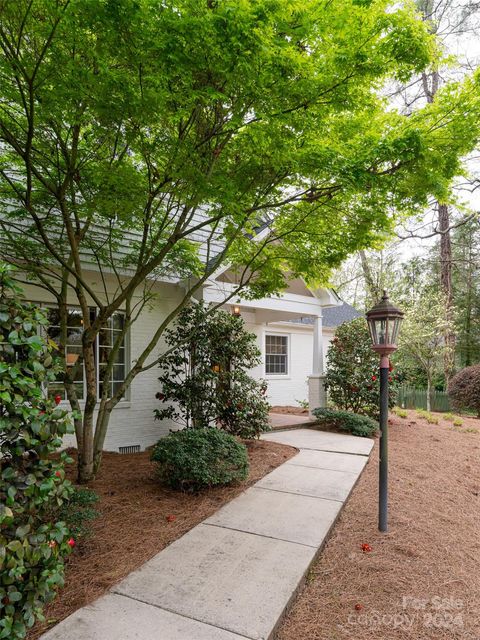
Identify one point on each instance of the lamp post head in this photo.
(384, 321)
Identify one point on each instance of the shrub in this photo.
(193, 459)
(431, 419)
(449, 417)
(242, 408)
(458, 422)
(32, 546)
(464, 390)
(352, 379)
(354, 423)
(78, 512)
(401, 413)
(205, 374)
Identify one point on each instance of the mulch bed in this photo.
(134, 523)
(420, 581)
(290, 410)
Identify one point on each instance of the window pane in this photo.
(276, 355)
(105, 337)
(118, 372)
(118, 321)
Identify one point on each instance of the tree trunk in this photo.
(373, 291)
(86, 455)
(429, 393)
(447, 289)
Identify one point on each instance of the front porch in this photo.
(300, 375)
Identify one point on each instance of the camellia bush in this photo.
(32, 486)
(352, 378)
(464, 390)
(205, 374)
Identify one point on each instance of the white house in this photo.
(288, 328)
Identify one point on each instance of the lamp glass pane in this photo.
(396, 329)
(381, 331)
(373, 334)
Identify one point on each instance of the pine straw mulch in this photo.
(289, 410)
(421, 580)
(133, 524)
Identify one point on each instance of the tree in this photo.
(466, 287)
(422, 344)
(151, 139)
(352, 379)
(449, 21)
(205, 376)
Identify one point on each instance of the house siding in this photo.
(132, 421)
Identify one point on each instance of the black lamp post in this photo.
(384, 322)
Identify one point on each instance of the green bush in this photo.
(78, 512)
(32, 545)
(205, 374)
(243, 409)
(464, 390)
(193, 459)
(346, 421)
(352, 379)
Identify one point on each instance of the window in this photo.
(276, 355)
(103, 347)
(106, 340)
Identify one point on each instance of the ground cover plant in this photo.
(32, 546)
(354, 423)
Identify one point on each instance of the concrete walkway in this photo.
(232, 576)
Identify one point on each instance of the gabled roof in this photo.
(333, 316)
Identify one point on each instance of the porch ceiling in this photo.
(274, 309)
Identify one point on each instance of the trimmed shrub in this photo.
(464, 390)
(32, 544)
(352, 379)
(195, 459)
(347, 421)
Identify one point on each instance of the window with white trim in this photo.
(276, 355)
(73, 350)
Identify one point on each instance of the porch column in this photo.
(317, 396)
